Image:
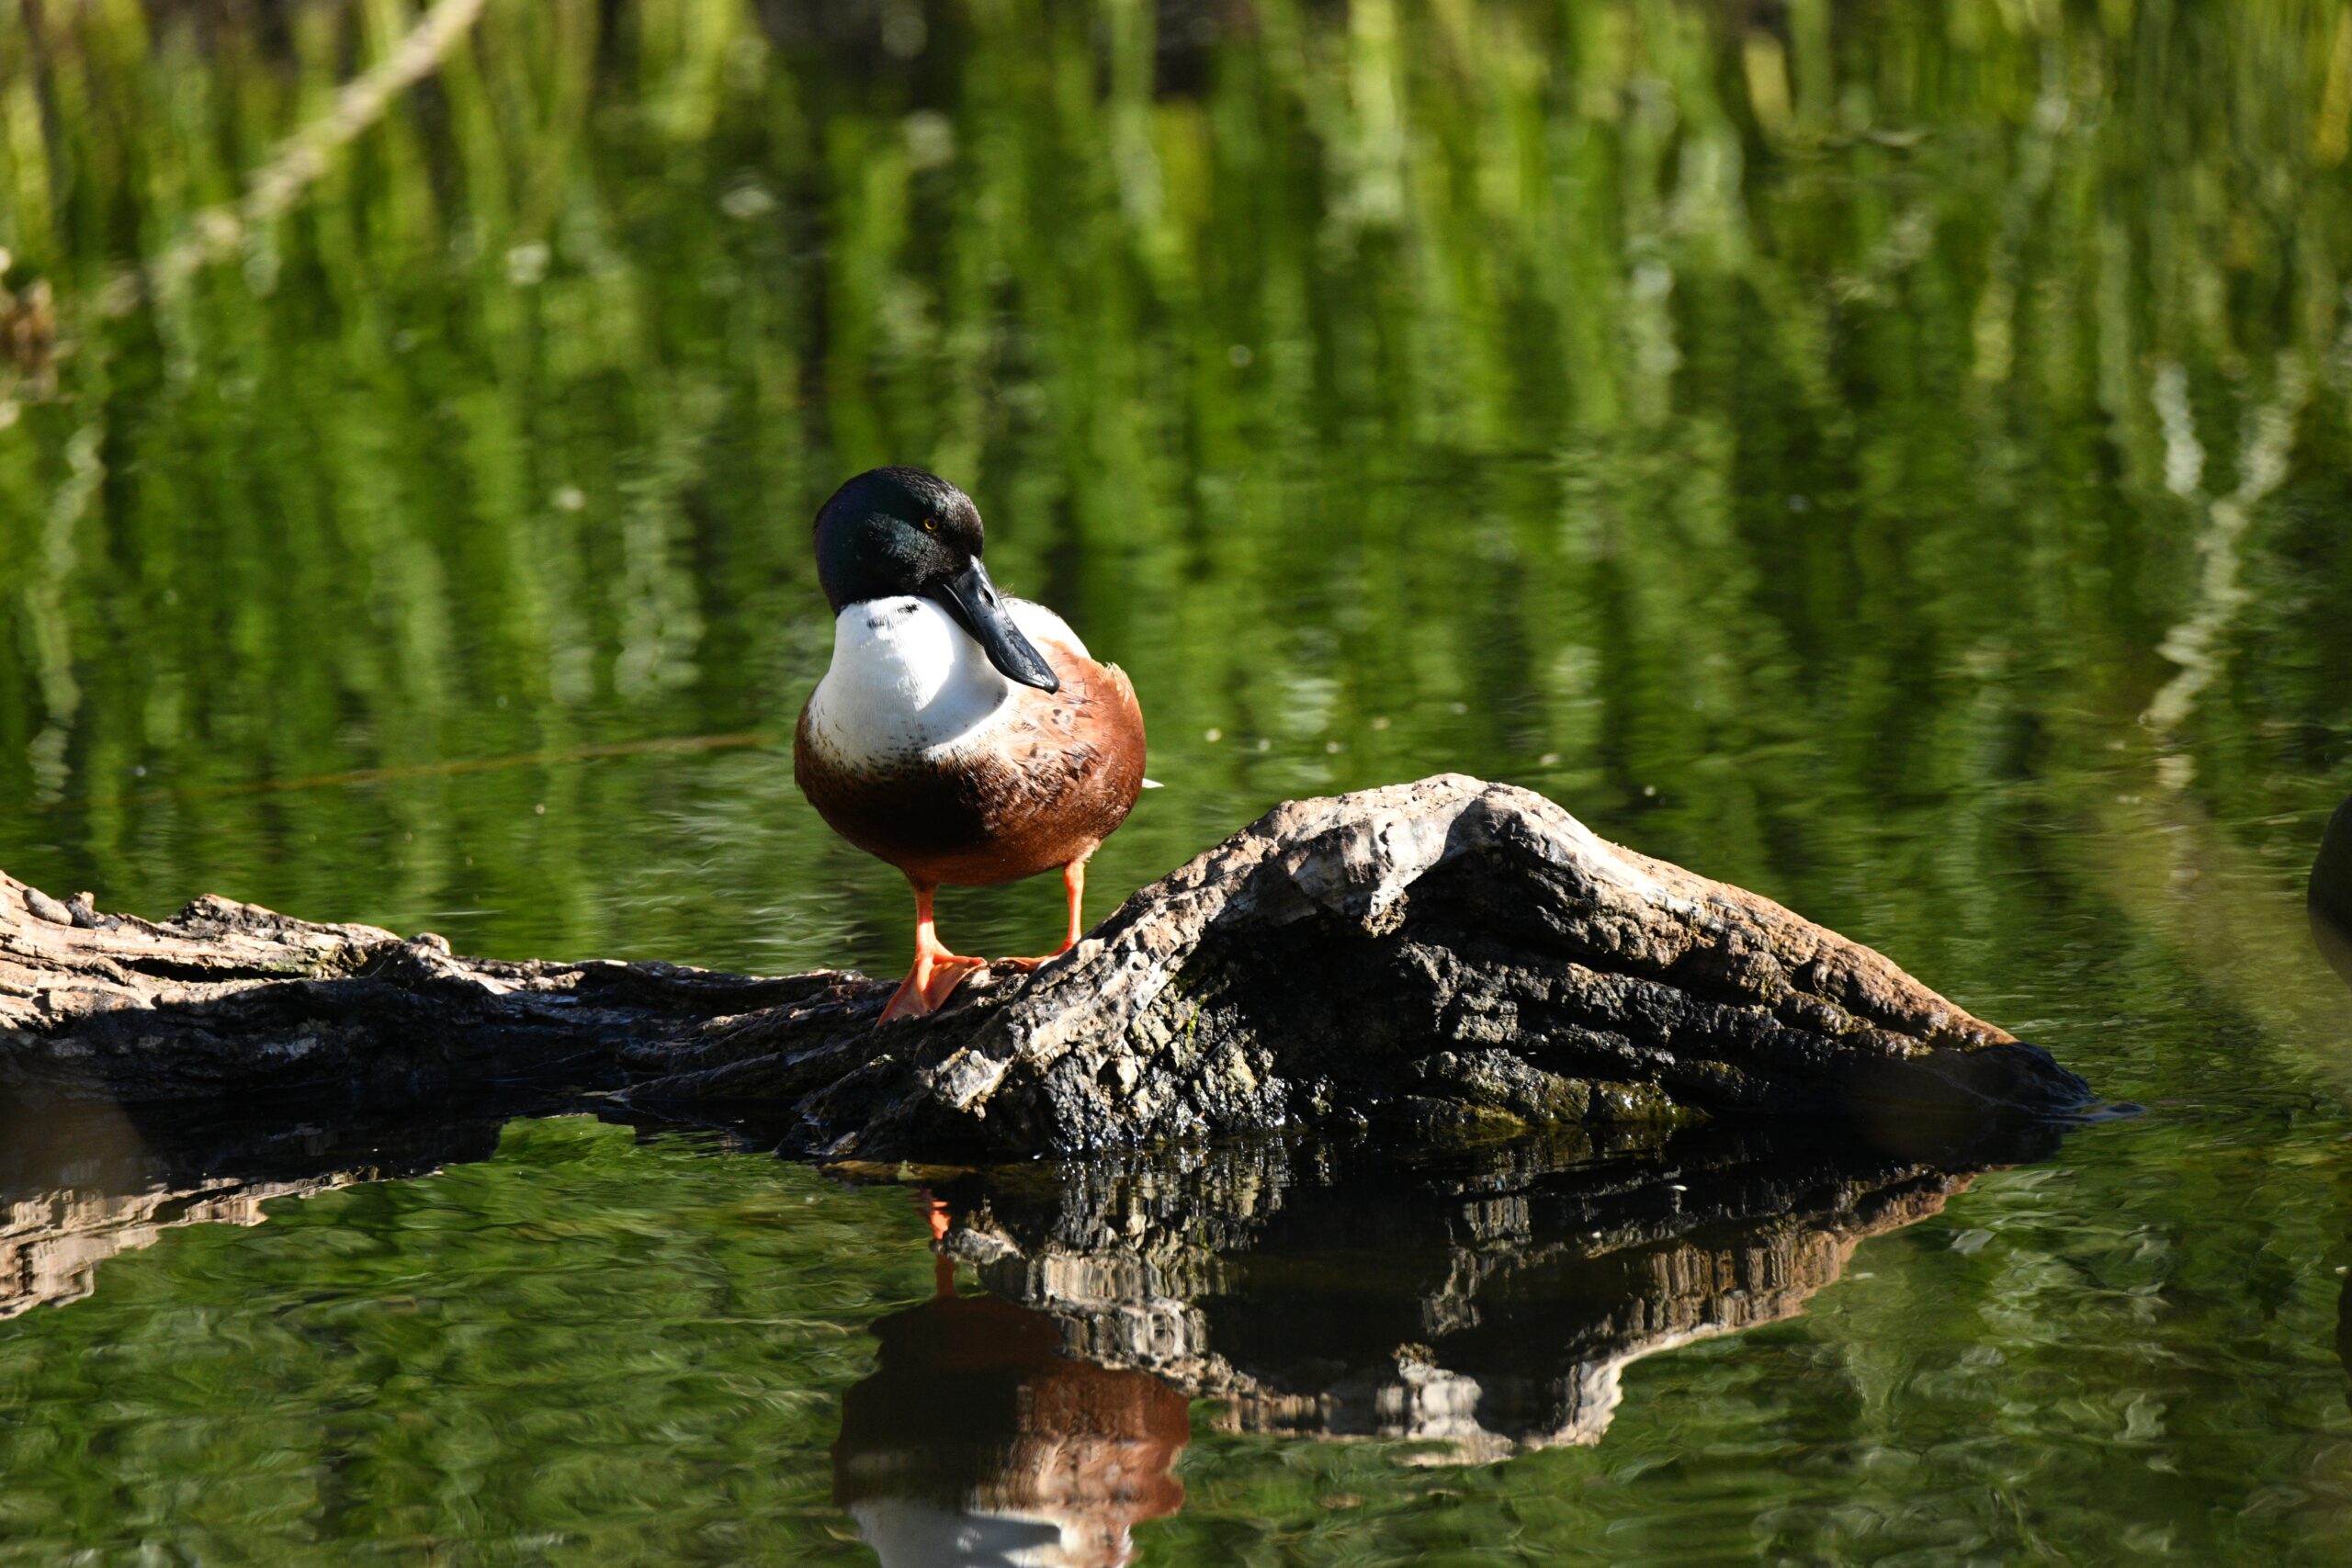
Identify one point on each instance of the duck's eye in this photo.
(931, 524)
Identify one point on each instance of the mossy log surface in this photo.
(1448, 955)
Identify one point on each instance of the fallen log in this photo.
(1450, 956)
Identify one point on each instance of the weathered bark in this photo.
(232, 998)
(1448, 955)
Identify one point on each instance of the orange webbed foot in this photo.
(936, 971)
(929, 985)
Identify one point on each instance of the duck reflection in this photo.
(975, 1441)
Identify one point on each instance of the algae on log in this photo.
(1447, 955)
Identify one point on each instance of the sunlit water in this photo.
(1891, 456)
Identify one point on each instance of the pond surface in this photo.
(1892, 456)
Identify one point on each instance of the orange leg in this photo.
(1074, 889)
(936, 971)
(942, 1268)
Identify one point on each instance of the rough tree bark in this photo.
(1449, 955)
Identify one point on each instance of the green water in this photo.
(1892, 456)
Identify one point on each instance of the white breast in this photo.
(906, 683)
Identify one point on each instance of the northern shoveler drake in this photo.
(965, 738)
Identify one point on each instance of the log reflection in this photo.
(1482, 1303)
(80, 1184)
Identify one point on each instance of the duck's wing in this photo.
(1082, 749)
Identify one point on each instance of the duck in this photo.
(964, 736)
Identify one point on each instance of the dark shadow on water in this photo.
(1486, 1300)
(2330, 895)
(2330, 902)
(1482, 1301)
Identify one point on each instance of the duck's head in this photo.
(893, 532)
